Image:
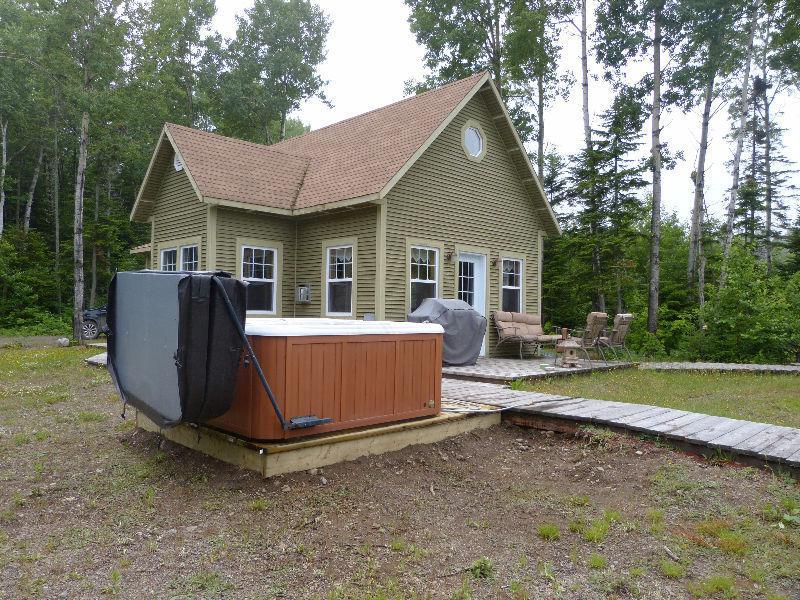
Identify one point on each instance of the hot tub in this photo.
(356, 373)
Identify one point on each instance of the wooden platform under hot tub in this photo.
(276, 458)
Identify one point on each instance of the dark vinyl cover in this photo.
(173, 351)
(464, 328)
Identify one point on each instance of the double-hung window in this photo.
(169, 259)
(424, 275)
(258, 270)
(190, 258)
(512, 285)
(339, 281)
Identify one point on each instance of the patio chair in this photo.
(522, 329)
(589, 337)
(615, 339)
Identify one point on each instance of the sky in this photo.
(372, 53)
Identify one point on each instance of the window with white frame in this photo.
(169, 259)
(424, 272)
(190, 258)
(258, 270)
(512, 285)
(339, 284)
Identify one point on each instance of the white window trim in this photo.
(436, 273)
(180, 255)
(161, 258)
(521, 286)
(328, 279)
(473, 124)
(274, 280)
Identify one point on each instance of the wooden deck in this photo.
(793, 369)
(758, 441)
(503, 370)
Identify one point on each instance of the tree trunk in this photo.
(655, 150)
(3, 160)
(540, 136)
(80, 181)
(29, 205)
(737, 156)
(699, 186)
(283, 126)
(93, 288)
(767, 179)
(587, 129)
(56, 219)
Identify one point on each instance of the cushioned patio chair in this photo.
(588, 338)
(615, 339)
(522, 329)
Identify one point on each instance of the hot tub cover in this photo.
(464, 328)
(173, 350)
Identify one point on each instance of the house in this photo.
(433, 195)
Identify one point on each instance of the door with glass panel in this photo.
(472, 283)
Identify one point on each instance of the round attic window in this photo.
(473, 140)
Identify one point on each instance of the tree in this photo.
(623, 33)
(269, 68)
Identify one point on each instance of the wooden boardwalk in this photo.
(503, 370)
(721, 367)
(760, 441)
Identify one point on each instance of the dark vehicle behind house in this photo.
(94, 323)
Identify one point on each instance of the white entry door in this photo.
(472, 283)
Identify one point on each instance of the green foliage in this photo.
(548, 532)
(483, 568)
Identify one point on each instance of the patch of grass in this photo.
(577, 526)
(721, 586)
(203, 581)
(597, 561)
(548, 532)
(674, 482)
(598, 437)
(732, 543)
(88, 416)
(671, 569)
(518, 591)
(721, 394)
(579, 500)
(596, 531)
(20, 439)
(483, 568)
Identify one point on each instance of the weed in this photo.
(517, 385)
(672, 569)
(483, 568)
(673, 481)
(611, 516)
(518, 591)
(598, 437)
(655, 518)
(716, 585)
(148, 497)
(548, 531)
(596, 532)
(397, 546)
(731, 543)
(478, 524)
(577, 526)
(464, 591)
(112, 589)
(597, 561)
(581, 500)
(203, 581)
(20, 439)
(259, 504)
(42, 435)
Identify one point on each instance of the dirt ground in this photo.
(90, 507)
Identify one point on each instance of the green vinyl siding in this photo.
(448, 199)
(357, 225)
(254, 226)
(178, 214)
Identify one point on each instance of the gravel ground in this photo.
(91, 507)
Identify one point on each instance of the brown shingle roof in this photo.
(229, 169)
(350, 159)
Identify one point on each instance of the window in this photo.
(424, 265)
(340, 280)
(473, 141)
(512, 285)
(466, 281)
(190, 258)
(169, 259)
(177, 162)
(258, 270)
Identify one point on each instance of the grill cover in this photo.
(464, 328)
(173, 351)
